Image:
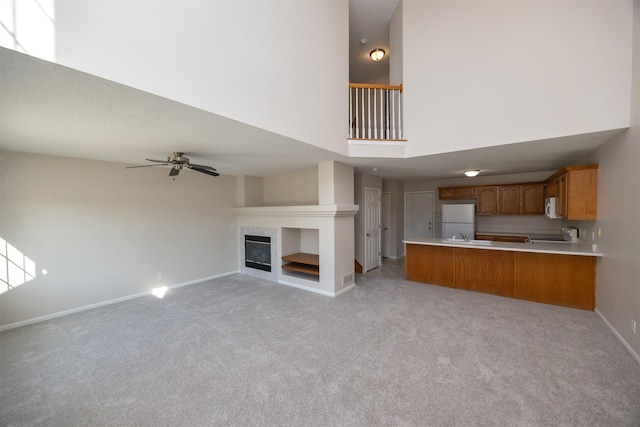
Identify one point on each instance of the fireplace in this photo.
(257, 250)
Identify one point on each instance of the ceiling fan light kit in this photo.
(178, 161)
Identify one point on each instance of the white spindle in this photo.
(350, 113)
(364, 135)
(388, 121)
(399, 115)
(356, 116)
(381, 113)
(375, 115)
(369, 113)
(393, 114)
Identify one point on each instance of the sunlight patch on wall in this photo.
(15, 268)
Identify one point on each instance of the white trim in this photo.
(617, 335)
(348, 288)
(108, 302)
(307, 288)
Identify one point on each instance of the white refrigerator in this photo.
(457, 220)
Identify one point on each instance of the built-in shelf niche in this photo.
(300, 249)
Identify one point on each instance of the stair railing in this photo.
(375, 112)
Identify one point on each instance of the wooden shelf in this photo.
(302, 263)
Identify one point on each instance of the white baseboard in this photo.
(317, 291)
(103, 303)
(617, 335)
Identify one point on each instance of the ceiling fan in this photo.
(178, 161)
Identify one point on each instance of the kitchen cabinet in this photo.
(576, 191)
(455, 193)
(532, 199)
(509, 199)
(550, 278)
(487, 200)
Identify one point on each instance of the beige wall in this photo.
(294, 189)
(618, 277)
(103, 232)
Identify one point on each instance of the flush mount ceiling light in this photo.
(377, 54)
(472, 173)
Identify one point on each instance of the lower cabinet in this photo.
(565, 280)
(421, 271)
(491, 272)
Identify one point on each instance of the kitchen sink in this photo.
(468, 242)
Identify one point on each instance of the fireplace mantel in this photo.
(334, 225)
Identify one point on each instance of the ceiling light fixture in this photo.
(471, 173)
(377, 54)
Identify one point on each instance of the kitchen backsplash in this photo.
(517, 224)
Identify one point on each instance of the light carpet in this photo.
(240, 351)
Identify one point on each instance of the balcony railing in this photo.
(375, 112)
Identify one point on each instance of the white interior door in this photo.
(418, 214)
(372, 228)
(386, 215)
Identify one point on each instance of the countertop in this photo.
(583, 249)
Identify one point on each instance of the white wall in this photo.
(103, 232)
(618, 271)
(247, 60)
(486, 73)
(293, 189)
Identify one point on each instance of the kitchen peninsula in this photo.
(551, 273)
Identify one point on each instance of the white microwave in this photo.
(550, 208)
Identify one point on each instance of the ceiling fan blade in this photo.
(146, 166)
(191, 165)
(157, 161)
(174, 172)
(207, 171)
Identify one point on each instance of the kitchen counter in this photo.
(581, 249)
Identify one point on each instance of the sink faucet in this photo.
(464, 236)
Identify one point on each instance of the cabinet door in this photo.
(532, 199)
(509, 200)
(447, 193)
(561, 194)
(487, 200)
(465, 193)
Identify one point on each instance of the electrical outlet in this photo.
(633, 326)
(159, 276)
(583, 233)
(599, 232)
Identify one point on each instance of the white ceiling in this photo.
(50, 109)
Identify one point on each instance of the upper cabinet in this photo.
(487, 200)
(576, 191)
(532, 199)
(510, 199)
(453, 193)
